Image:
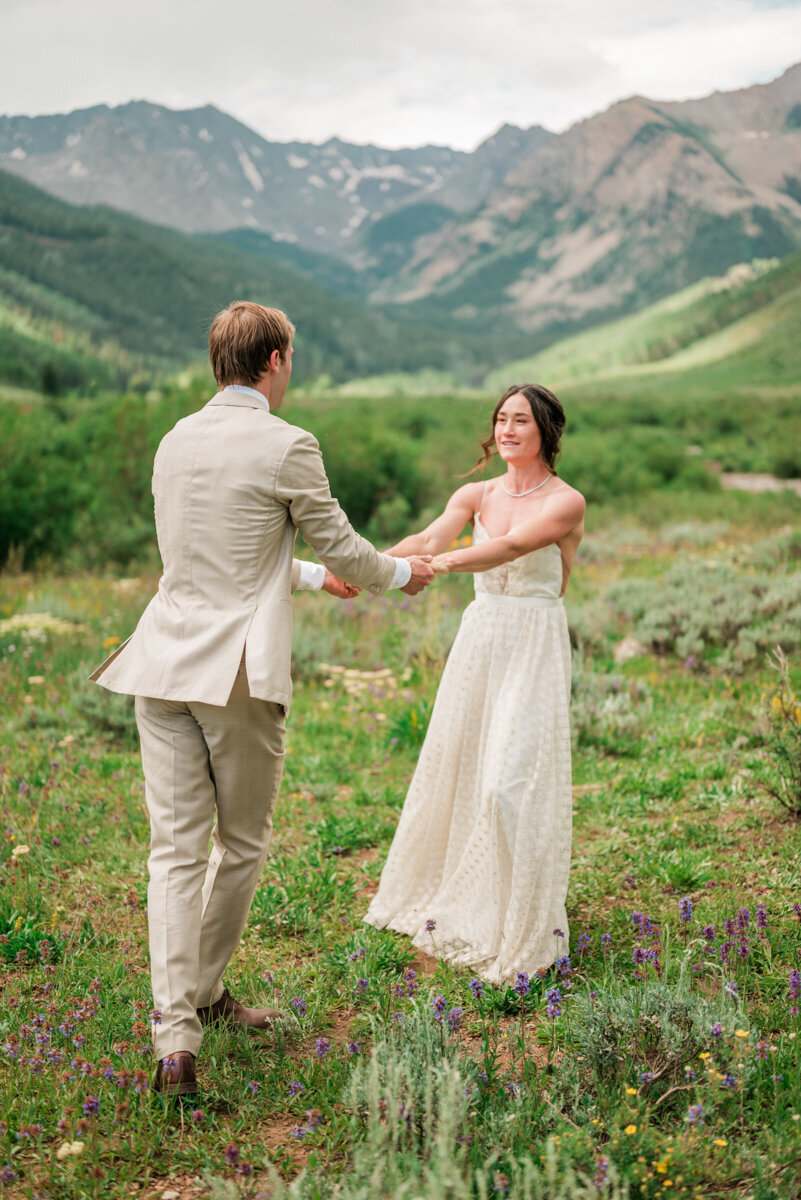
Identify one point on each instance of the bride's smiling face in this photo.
(517, 434)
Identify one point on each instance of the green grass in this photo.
(669, 751)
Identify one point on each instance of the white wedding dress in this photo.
(483, 843)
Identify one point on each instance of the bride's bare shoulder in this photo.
(467, 496)
(566, 495)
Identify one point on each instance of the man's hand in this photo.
(422, 573)
(336, 587)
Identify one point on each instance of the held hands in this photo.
(422, 574)
(441, 564)
(336, 587)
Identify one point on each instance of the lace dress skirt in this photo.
(483, 843)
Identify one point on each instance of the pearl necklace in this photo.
(517, 495)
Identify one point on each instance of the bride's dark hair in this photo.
(546, 411)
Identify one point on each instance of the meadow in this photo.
(657, 1057)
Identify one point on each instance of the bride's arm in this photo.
(558, 517)
(440, 533)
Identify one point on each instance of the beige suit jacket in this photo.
(232, 484)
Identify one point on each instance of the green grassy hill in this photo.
(744, 328)
(90, 295)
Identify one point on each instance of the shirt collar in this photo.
(247, 391)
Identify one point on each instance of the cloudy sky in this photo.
(399, 73)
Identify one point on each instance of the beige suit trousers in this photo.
(201, 761)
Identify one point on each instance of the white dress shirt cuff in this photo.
(403, 573)
(312, 577)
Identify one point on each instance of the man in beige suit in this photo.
(209, 664)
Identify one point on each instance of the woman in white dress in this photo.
(482, 848)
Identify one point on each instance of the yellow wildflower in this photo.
(110, 641)
(741, 1033)
(720, 1142)
(630, 1129)
(661, 1167)
(631, 1091)
(704, 1054)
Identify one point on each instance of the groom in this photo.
(209, 664)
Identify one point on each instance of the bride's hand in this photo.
(441, 564)
(336, 587)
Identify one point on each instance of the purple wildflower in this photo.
(477, 987)
(708, 933)
(762, 916)
(728, 1081)
(231, 1154)
(716, 1030)
(686, 910)
(361, 984)
(794, 990)
(299, 1005)
(253, 1086)
(295, 1087)
(730, 990)
(584, 943)
(322, 1046)
(554, 997)
(354, 1048)
(198, 1116)
(601, 1171)
(522, 984)
(430, 926)
(91, 1106)
(743, 918)
(361, 953)
(439, 1004)
(606, 942)
(563, 966)
(695, 1114)
(455, 1018)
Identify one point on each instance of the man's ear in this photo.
(275, 361)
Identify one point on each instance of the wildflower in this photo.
(253, 1086)
(708, 933)
(361, 953)
(685, 910)
(716, 1030)
(501, 1183)
(797, 911)
(397, 1017)
(743, 917)
(554, 997)
(638, 920)
(638, 956)
(695, 1114)
(584, 942)
(522, 984)
(313, 1118)
(299, 1131)
(563, 966)
(430, 926)
(794, 990)
(299, 1005)
(630, 1091)
(91, 1106)
(743, 947)
(630, 1130)
(513, 1088)
(730, 989)
(455, 1018)
(601, 1170)
(728, 1081)
(361, 985)
(606, 942)
(646, 1076)
(720, 1142)
(295, 1087)
(8, 1175)
(198, 1116)
(231, 1155)
(244, 1169)
(410, 975)
(557, 933)
(762, 1049)
(476, 987)
(439, 1004)
(322, 1046)
(741, 1033)
(762, 916)
(155, 1016)
(354, 1048)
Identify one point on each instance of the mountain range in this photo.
(532, 235)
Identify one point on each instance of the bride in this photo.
(478, 869)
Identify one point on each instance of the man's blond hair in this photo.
(242, 339)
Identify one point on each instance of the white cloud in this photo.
(447, 71)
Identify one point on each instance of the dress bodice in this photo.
(539, 573)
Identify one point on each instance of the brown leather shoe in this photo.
(175, 1075)
(229, 1011)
